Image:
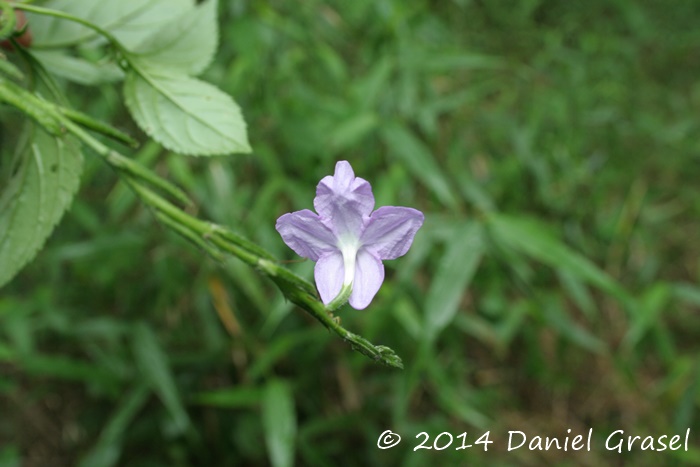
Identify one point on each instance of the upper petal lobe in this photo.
(390, 231)
(304, 233)
(344, 201)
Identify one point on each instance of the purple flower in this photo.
(346, 239)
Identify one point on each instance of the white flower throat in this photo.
(349, 246)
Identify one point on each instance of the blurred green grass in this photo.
(554, 149)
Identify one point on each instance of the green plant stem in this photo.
(99, 127)
(296, 289)
(341, 299)
(214, 239)
(124, 164)
(316, 308)
(60, 14)
(189, 235)
(35, 108)
(7, 20)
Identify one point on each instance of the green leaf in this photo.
(447, 61)
(652, 304)
(77, 69)
(279, 423)
(406, 313)
(232, 397)
(9, 69)
(38, 187)
(554, 313)
(685, 413)
(184, 114)
(107, 450)
(535, 239)
(155, 370)
(688, 293)
(454, 401)
(10, 456)
(578, 292)
(187, 44)
(457, 267)
(351, 132)
(130, 21)
(8, 20)
(281, 347)
(412, 152)
(63, 367)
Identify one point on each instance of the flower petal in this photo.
(344, 201)
(329, 273)
(369, 275)
(304, 233)
(390, 231)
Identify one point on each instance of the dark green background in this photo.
(552, 145)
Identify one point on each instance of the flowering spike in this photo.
(346, 239)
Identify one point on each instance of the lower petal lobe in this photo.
(369, 275)
(329, 273)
